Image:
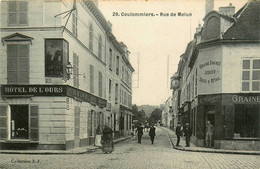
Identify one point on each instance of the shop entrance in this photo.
(19, 122)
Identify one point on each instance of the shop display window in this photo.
(246, 121)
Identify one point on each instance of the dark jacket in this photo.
(187, 131)
(152, 131)
(178, 131)
(140, 130)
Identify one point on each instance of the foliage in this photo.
(155, 116)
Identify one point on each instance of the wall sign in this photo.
(210, 72)
(51, 90)
(245, 99)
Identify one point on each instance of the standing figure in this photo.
(139, 132)
(98, 136)
(107, 140)
(178, 133)
(209, 134)
(152, 133)
(187, 134)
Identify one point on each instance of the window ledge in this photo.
(20, 141)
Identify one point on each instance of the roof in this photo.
(247, 26)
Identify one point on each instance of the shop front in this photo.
(235, 118)
(48, 117)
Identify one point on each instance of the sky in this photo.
(157, 41)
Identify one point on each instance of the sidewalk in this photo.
(79, 150)
(193, 148)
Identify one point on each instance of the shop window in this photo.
(17, 13)
(19, 122)
(56, 57)
(17, 63)
(251, 75)
(246, 121)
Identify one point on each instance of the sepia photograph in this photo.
(130, 84)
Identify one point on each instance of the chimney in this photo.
(198, 29)
(209, 5)
(227, 10)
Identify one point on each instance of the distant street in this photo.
(130, 154)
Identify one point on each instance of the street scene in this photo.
(130, 84)
(130, 154)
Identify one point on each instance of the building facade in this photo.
(219, 79)
(59, 76)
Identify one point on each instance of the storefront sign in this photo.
(51, 90)
(210, 73)
(245, 99)
(35, 90)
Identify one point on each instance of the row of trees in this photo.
(140, 115)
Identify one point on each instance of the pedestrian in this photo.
(139, 132)
(152, 133)
(107, 140)
(178, 133)
(209, 134)
(98, 136)
(187, 134)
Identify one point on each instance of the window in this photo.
(110, 88)
(123, 73)
(56, 57)
(196, 82)
(91, 37)
(74, 20)
(100, 84)
(110, 59)
(117, 65)
(17, 63)
(251, 75)
(246, 120)
(75, 70)
(116, 93)
(17, 13)
(100, 47)
(91, 80)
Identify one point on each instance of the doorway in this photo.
(19, 122)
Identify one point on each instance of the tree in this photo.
(155, 115)
(138, 115)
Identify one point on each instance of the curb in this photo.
(210, 151)
(64, 152)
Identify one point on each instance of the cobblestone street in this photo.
(130, 154)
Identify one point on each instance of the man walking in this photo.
(209, 134)
(187, 133)
(152, 133)
(178, 133)
(139, 132)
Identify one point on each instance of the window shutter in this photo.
(89, 123)
(12, 12)
(23, 10)
(12, 64)
(23, 52)
(229, 121)
(91, 79)
(3, 122)
(34, 123)
(76, 70)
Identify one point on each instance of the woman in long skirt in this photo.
(107, 140)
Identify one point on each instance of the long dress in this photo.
(107, 140)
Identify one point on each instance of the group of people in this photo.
(139, 131)
(188, 132)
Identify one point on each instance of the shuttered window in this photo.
(17, 63)
(100, 84)
(75, 70)
(3, 122)
(17, 13)
(34, 123)
(74, 22)
(100, 47)
(91, 37)
(91, 80)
